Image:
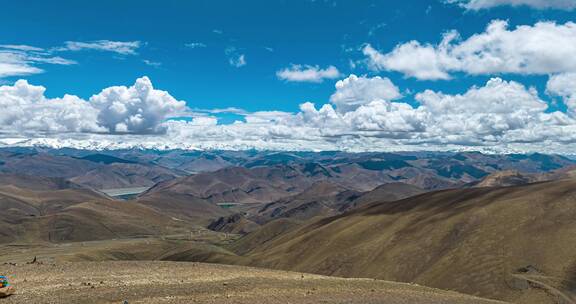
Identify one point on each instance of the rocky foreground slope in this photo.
(172, 282)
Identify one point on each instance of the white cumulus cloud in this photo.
(25, 109)
(482, 113)
(139, 109)
(307, 73)
(541, 49)
(537, 4)
(355, 91)
(136, 109)
(564, 85)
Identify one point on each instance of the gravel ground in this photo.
(172, 282)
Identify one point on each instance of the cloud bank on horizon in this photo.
(363, 113)
(361, 116)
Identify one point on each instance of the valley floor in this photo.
(178, 282)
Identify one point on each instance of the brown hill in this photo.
(183, 207)
(43, 164)
(36, 182)
(505, 179)
(563, 173)
(385, 193)
(353, 176)
(97, 171)
(321, 199)
(205, 162)
(235, 223)
(124, 175)
(508, 243)
(324, 199)
(74, 214)
(236, 184)
(264, 234)
(509, 178)
(428, 179)
(103, 220)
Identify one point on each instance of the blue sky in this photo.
(299, 32)
(221, 54)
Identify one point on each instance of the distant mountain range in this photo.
(498, 226)
(251, 188)
(361, 171)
